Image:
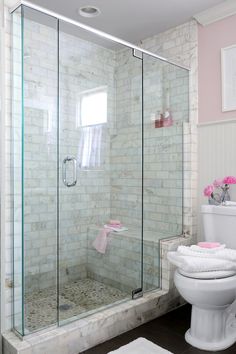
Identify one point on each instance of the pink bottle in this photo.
(168, 120)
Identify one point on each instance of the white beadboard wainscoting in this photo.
(216, 157)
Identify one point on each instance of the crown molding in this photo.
(216, 13)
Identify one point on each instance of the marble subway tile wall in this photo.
(83, 66)
(121, 265)
(165, 88)
(40, 153)
(180, 44)
(126, 144)
(74, 79)
(163, 149)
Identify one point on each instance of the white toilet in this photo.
(212, 294)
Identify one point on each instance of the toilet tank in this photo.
(219, 224)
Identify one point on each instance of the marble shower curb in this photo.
(86, 333)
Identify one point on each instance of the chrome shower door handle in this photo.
(64, 174)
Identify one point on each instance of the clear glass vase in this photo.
(213, 201)
(219, 198)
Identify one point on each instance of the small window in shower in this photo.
(92, 107)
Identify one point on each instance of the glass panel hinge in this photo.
(137, 293)
(137, 54)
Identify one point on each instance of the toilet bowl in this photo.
(212, 294)
(213, 324)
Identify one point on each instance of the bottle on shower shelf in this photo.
(164, 120)
(159, 120)
(167, 120)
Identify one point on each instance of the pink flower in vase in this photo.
(218, 182)
(229, 180)
(208, 190)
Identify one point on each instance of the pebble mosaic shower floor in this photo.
(75, 299)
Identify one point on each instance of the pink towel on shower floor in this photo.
(101, 241)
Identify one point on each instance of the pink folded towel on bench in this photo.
(114, 222)
(117, 226)
(101, 241)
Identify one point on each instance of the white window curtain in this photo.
(90, 147)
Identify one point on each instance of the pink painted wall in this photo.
(211, 39)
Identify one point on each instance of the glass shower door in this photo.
(100, 113)
(35, 169)
(165, 98)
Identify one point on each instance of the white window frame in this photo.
(83, 94)
(228, 77)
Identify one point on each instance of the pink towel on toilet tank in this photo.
(209, 244)
(100, 243)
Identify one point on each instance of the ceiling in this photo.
(131, 20)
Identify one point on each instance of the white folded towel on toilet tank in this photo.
(218, 252)
(205, 250)
(194, 264)
(229, 203)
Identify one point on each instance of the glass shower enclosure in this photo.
(97, 142)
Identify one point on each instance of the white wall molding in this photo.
(223, 121)
(216, 13)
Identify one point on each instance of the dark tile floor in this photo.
(166, 331)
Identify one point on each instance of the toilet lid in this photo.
(217, 274)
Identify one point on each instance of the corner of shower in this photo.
(71, 86)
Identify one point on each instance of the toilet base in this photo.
(211, 329)
(212, 346)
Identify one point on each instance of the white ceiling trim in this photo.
(216, 13)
